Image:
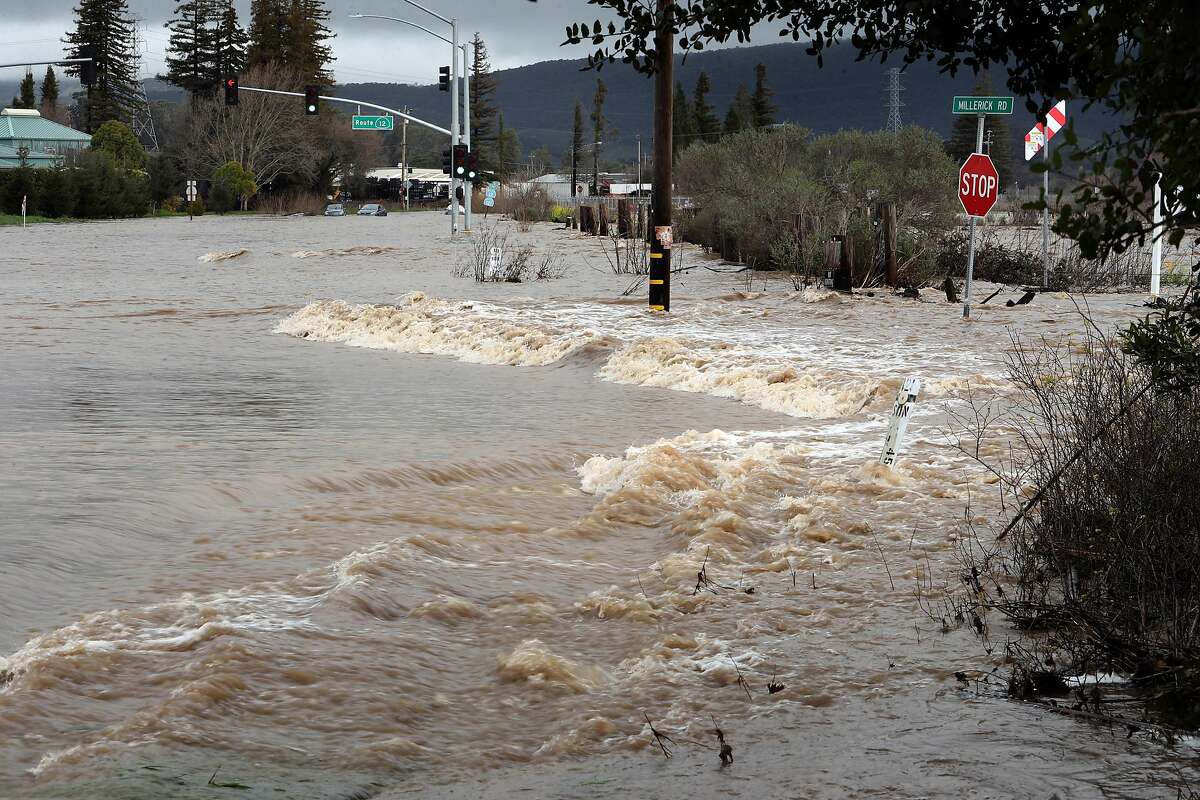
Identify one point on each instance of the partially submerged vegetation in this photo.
(1096, 565)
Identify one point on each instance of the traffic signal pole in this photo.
(454, 129)
(971, 240)
(469, 185)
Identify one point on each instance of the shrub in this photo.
(196, 208)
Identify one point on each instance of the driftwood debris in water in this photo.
(660, 739)
(726, 751)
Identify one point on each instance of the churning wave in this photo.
(483, 334)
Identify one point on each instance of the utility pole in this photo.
(660, 204)
(404, 158)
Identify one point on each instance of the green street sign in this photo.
(361, 122)
(982, 105)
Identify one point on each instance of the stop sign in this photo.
(978, 185)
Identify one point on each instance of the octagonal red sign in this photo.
(978, 185)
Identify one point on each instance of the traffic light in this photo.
(87, 69)
(460, 161)
(231, 90)
(472, 165)
(444, 79)
(446, 161)
(310, 100)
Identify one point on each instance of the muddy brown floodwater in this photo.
(325, 520)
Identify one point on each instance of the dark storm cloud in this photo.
(516, 31)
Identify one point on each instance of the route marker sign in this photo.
(364, 122)
(978, 185)
(191, 191)
(982, 105)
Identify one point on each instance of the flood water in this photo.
(328, 521)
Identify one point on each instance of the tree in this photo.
(762, 108)
(576, 145)
(231, 179)
(704, 118)
(49, 93)
(508, 147)
(119, 141)
(682, 128)
(164, 179)
(964, 130)
(267, 21)
(28, 98)
(599, 125)
(107, 28)
(269, 138)
(230, 42)
(305, 48)
(741, 111)
(190, 57)
(484, 134)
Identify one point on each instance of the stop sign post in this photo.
(978, 189)
(978, 185)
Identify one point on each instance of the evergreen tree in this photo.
(576, 145)
(508, 149)
(304, 46)
(962, 135)
(599, 126)
(681, 122)
(484, 134)
(741, 111)
(49, 94)
(762, 108)
(706, 126)
(28, 98)
(230, 42)
(191, 58)
(268, 19)
(106, 26)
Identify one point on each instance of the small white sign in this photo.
(900, 414)
(494, 256)
(191, 191)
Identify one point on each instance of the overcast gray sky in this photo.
(517, 32)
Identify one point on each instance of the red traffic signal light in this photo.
(444, 79)
(231, 90)
(460, 161)
(311, 95)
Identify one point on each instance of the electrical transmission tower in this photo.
(140, 118)
(894, 102)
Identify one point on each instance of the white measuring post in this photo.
(494, 256)
(1156, 242)
(900, 414)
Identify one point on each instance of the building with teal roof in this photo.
(44, 142)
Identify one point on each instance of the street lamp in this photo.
(455, 135)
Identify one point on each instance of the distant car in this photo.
(335, 210)
(372, 210)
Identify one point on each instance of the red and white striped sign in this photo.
(1039, 134)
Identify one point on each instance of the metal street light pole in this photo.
(454, 126)
(469, 185)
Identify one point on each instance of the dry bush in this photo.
(626, 256)
(517, 263)
(525, 204)
(291, 203)
(1099, 562)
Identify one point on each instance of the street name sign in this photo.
(363, 122)
(978, 185)
(982, 105)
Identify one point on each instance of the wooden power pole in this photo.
(660, 198)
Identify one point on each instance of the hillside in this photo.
(538, 99)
